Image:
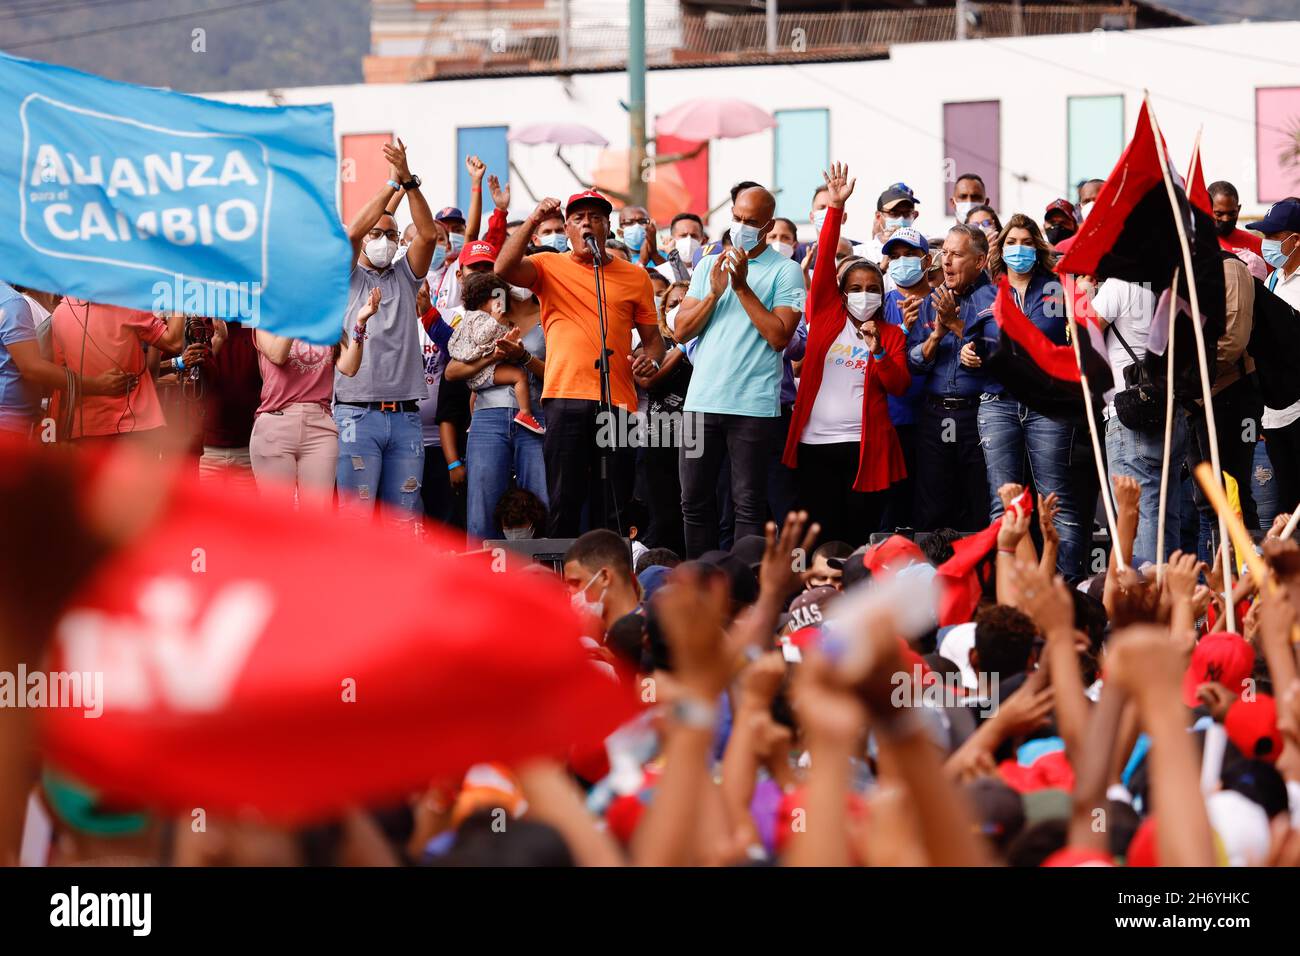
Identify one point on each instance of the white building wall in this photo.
(886, 116)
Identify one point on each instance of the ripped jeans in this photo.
(1012, 435)
(381, 458)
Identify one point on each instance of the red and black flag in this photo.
(1039, 372)
(1132, 234)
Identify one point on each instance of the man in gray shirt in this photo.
(381, 445)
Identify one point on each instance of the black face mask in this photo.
(1056, 233)
(1224, 229)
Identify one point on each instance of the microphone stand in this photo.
(609, 497)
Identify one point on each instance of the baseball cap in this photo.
(744, 586)
(1062, 205)
(908, 237)
(1078, 856)
(750, 549)
(893, 195)
(478, 251)
(893, 554)
(653, 578)
(84, 809)
(956, 645)
(1282, 216)
(999, 812)
(1252, 728)
(1223, 657)
(1241, 826)
(809, 607)
(449, 214)
(588, 196)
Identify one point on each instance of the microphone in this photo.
(593, 245)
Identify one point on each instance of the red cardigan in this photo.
(881, 462)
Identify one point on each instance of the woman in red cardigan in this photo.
(841, 443)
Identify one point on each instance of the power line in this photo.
(40, 9)
(1149, 36)
(143, 23)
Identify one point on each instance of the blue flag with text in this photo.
(168, 202)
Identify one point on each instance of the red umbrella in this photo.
(706, 119)
(296, 664)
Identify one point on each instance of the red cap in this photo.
(1062, 205)
(893, 554)
(1078, 856)
(479, 251)
(1142, 848)
(1222, 657)
(589, 196)
(1252, 728)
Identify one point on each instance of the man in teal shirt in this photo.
(743, 305)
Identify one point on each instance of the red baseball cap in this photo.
(1142, 848)
(1252, 728)
(894, 554)
(1079, 856)
(589, 196)
(1061, 205)
(1223, 657)
(478, 251)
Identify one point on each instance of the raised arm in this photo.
(474, 215)
(824, 292)
(511, 263)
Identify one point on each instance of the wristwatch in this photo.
(412, 183)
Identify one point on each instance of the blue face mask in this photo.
(906, 272)
(1019, 259)
(898, 223)
(1271, 250)
(439, 257)
(634, 236)
(744, 236)
(457, 242)
(818, 218)
(556, 240)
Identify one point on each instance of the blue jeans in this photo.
(496, 448)
(1138, 456)
(1011, 432)
(381, 458)
(1263, 487)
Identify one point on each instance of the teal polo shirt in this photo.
(736, 371)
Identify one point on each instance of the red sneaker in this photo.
(532, 424)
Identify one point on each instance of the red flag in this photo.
(1197, 194)
(959, 582)
(1056, 360)
(297, 664)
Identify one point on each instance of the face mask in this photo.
(1084, 210)
(1019, 259)
(744, 236)
(380, 252)
(863, 305)
(818, 218)
(582, 605)
(1271, 250)
(439, 257)
(784, 249)
(963, 209)
(1057, 233)
(518, 534)
(634, 236)
(898, 223)
(1224, 229)
(557, 241)
(906, 272)
(670, 317)
(457, 242)
(521, 293)
(686, 247)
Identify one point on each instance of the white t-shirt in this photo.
(1129, 308)
(1286, 288)
(837, 411)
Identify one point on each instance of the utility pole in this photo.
(771, 26)
(960, 10)
(564, 32)
(636, 186)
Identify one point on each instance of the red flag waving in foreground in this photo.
(958, 577)
(294, 664)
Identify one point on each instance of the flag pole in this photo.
(1169, 432)
(1106, 501)
(1291, 523)
(1211, 430)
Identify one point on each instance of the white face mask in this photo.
(686, 247)
(581, 604)
(963, 209)
(380, 252)
(1084, 210)
(670, 317)
(518, 534)
(520, 292)
(784, 249)
(744, 236)
(863, 305)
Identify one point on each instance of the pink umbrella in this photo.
(561, 134)
(699, 120)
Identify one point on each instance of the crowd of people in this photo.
(779, 427)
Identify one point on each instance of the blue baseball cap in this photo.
(908, 237)
(450, 214)
(1282, 216)
(892, 196)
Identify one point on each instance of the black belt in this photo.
(950, 404)
(410, 405)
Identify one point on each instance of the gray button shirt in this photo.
(392, 362)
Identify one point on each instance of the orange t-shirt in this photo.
(567, 291)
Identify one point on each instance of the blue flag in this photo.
(168, 202)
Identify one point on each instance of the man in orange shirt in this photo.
(571, 392)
